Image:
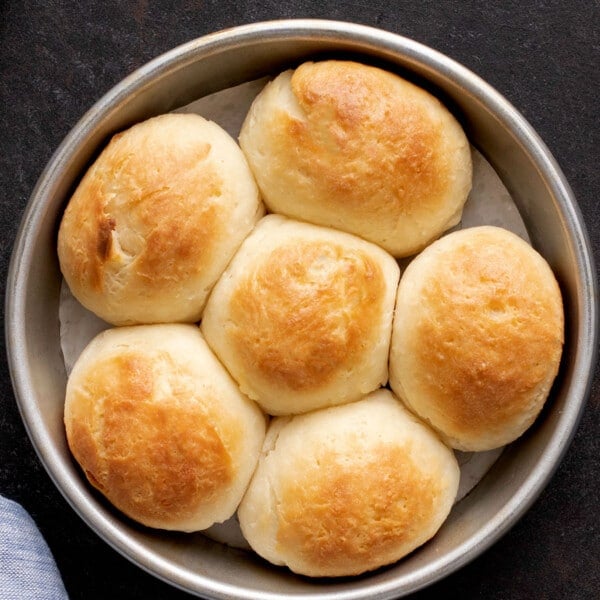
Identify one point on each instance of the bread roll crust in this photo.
(477, 336)
(347, 489)
(300, 333)
(155, 220)
(166, 437)
(302, 316)
(355, 147)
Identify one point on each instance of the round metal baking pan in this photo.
(214, 62)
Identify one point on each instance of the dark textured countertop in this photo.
(58, 57)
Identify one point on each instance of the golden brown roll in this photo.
(302, 316)
(357, 148)
(347, 489)
(477, 336)
(156, 219)
(159, 427)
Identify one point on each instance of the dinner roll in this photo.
(159, 427)
(347, 489)
(357, 148)
(477, 336)
(156, 219)
(302, 316)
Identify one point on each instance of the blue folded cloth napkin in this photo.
(27, 567)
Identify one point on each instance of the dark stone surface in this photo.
(58, 57)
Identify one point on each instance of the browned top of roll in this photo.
(477, 336)
(150, 454)
(130, 186)
(305, 324)
(353, 115)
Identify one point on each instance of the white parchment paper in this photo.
(489, 203)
